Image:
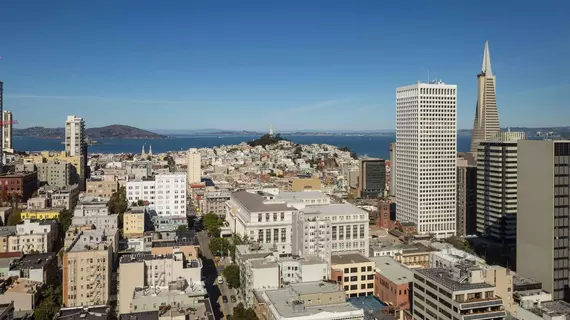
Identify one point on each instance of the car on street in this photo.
(225, 299)
(233, 298)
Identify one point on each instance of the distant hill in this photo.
(115, 131)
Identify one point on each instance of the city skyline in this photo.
(257, 63)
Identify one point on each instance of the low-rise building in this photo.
(7, 259)
(110, 222)
(57, 173)
(134, 221)
(215, 202)
(101, 188)
(143, 270)
(454, 293)
(91, 206)
(393, 282)
(39, 267)
(188, 245)
(41, 214)
(449, 257)
(24, 293)
(5, 234)
(33, 236)
(66, 197)
(354, 272)
(20, 185)
(309, 300)
(305, 184)
(84, 313)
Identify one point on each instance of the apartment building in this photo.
(305, 184)
(6, 129)
(426, 136)
(134, 221)
(39, 267)
(354, 272)
(66, 197)
(41, 214)
(57, 173)
(497, 187)
(91, 206)
(215, 202)
(110, 222)
(188, 245)
(139, 169)
(309, 300)
(166, 193)
(23, 293)
(76, 160)
(33, 237)
(87, 266)
(393, 169)
(458, 293)
(194, 166)
(543, 213)
(20, 185)
(393, 282)
(143, 270)
(101, 188)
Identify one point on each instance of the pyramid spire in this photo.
(486, 68)
(150, 150)
(142, 152)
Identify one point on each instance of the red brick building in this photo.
(18, 186)
(383, 220)
(392, 283)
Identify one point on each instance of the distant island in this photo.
(115, 131)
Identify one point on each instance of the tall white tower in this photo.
(6, 130)
(194, 168)
(75, 140)
(426, 136)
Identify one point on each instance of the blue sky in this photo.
(295, 64)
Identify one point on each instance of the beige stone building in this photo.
(305, 184)
(101, 188)
(87, 273)
(23, 292)
(134, 222)
(33, 236)
(354, 272)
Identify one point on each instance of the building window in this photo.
(259, 216)
(282, 216)
(274, 216)
(334, 232)
(283, 235)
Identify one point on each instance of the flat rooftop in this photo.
(262, 264)
(82, 313)
(348, 258)
(393, 270)
(444, 278)
(559, 307)
(256, 203)
(282, 300)
(138, 257)
(302, 195)
(520, 280)
(335, 209)
(34, 261)
(146, 315)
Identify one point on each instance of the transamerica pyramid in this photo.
(486, 124)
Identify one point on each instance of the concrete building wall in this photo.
(397, 295)
(132, 275)
(194, 166)
(57, 174)
(98, 188)
(304, 184)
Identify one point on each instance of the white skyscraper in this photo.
(75, 140)
(6, 130)
(426, 136)
(194, 169)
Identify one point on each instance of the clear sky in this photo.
(306, 64)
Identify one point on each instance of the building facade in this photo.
(18, 186)
(426, 136)
(215, 202)
(497, 187)
(372, 178)
(392, 283)
(544, 213)
(57, 174)
(33, 237)
(194, 166)
(165, 193)
(6, 129)
(101, 188)
(354, 272)
(466, 197)
(393, 169)
(486, 123)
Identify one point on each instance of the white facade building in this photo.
(194, 166)
(33, 236)
(426, 136)
(7, 130)
(166, 193)
(91, 206)
(75, 139)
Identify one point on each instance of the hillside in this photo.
(115, 131)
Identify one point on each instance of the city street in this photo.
(211, 272)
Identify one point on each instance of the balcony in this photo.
(485, 315)
(481, 303)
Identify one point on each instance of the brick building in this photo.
(19, 185)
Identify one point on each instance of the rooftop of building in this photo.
(83, 313)
(393, 270)
(92, 200)
(56, 189)
(455, 255)
(34, 261)
(256, 203)
(335, 209)
(284, 300)
(556, 308)
(174, 288)
(21, 174)
(302, 195)
(520, 280)
(146, 315)
(446, 279)
(41, 210)
(262, 264)
(136, 210)
(7, 230)
(348, 258)
(22, 285)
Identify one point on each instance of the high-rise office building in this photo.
(372, 178)
(466, 194)
(194, 168)
(6, 130)
(486, 123)
(426, 138)
(497, 187)
(393, 169)
(543, 217)
(76, 144)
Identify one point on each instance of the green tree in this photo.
(219, 246)
(14, 218)
(182, 228)
(212, 223)
(231, 273)
(65, 218)
(49, 305)
(241, 313)
(140, 202)
(118, 204)
(236, 241)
